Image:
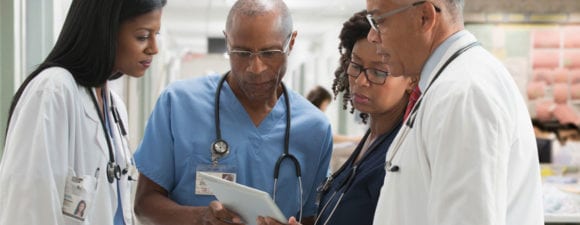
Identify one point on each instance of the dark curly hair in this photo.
(353, 30)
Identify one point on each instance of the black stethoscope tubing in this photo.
(345, 184)
(285, 155)
(411, 120)
(113, 168)
(413, 115)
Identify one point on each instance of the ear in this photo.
(225, 38)
(412, 82)
(292, 40)
(429, 16)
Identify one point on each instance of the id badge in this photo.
(79, 193)
(226, 172)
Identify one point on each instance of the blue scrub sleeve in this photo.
(310, 207)
(154, 157)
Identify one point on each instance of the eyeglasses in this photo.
(374, 76)
(267, 56)
(375, 25)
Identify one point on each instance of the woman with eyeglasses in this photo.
(349, 196)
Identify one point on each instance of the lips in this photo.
(358, 98)
(146, 63)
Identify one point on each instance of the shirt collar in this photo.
(436, 57)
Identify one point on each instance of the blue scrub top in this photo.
(181, 129)
(361, 195)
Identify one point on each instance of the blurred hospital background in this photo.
(537, 40)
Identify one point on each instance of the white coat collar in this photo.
(441, 54)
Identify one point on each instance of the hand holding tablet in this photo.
(247, 202)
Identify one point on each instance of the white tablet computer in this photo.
(247, 202)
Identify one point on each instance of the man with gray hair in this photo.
(245, 126)
(467, 153)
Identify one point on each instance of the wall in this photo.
(523, 6)
(312, 63)
(26, 38)
(540, 57)
(193, 65)
(7, 63)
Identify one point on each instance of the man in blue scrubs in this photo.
(183, 129)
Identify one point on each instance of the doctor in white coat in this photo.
(467, 153)
(66, 158)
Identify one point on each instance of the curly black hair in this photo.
(353, 30)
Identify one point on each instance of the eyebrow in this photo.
(374, 63)
(354, 56)
(151, 30)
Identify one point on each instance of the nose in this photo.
(373, 36)
(152, 47)
(256, 65)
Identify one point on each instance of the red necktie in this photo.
(412, 100)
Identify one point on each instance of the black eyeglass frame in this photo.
(361, 69)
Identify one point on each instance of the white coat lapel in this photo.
(93, 122)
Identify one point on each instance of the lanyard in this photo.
(413, 115)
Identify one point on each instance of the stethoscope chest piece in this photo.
(219, 149)
(113, 172)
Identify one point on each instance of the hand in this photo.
(269, 221)
(217, 214)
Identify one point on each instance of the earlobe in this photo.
(412, 83)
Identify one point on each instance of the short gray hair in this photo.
(261, 7)
(456, 10)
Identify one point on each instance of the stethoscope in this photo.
(220, 148)
(114, 171)
(346, 183)
(389, 166)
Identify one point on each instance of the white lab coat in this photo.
(55, 129)
(471, 156)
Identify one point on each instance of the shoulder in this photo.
(53, 83)
(198, 87)
(305, 112)
(54, 78)
(477, 73)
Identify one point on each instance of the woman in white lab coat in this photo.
(66, 140)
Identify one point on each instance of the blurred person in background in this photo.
(321, 98)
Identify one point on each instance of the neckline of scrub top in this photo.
(231, 103)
